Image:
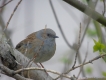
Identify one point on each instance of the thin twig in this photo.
(12, 15)
(77, 47)
(59, 26)
(35, 55)
(42, 69)
(32, 60)
(34, 68)
(92, 5)
(83, 62)
(2, 24)
(1, 9)
(76, 51)
(5, 4)
(90, 61)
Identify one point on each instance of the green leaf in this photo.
(104, 74)
(98, 46)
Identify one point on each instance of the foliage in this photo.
(99, 47)
(88, 70)
(104, 74)
(91, 33)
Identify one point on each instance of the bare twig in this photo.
(77, 47)
(1, 9)
(83, 62)
(59, 26)
(76, 51)
(5, 4)
(43, 69)
(34, 56)
(7, 33)
(90, 61)
(2, 24)
(12, 15)
(92, 5)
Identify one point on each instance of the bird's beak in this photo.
(56, 37)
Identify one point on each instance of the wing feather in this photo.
(29, 46)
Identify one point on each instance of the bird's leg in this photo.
(38, 65)
(43, 67)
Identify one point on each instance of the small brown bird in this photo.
(40, 44)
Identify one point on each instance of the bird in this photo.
(40, 45)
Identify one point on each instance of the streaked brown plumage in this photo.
(40, 43)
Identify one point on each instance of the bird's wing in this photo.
(31, 44)
(30, 38)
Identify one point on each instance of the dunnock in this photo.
(40, 44)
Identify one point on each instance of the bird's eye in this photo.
(48, 34)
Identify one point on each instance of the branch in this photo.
(83, 62)
(6, 4)
(12, 14)
(78, 47)
(10, 73)
(90, 61)
(42, 69)
(87, 10)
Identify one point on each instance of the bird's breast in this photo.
(47, 51)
